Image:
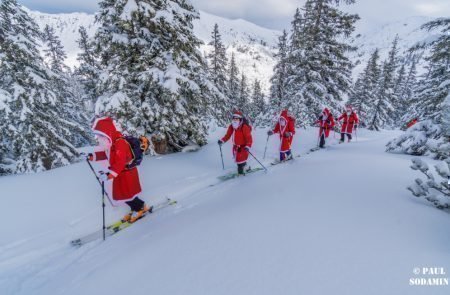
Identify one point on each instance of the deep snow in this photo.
(337, 221)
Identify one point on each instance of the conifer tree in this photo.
(258, 103)
(382, 112)
(89, 68)
(233, 80)
(363, 94)
(320, 71)
(243, 103)
(153, 77)
(34, 134)
(279, 84)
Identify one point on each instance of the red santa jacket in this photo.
(126, 185)
(349, 122)
(286, 141)
(241, 137)
(326, 122)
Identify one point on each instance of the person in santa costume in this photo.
(326, 124)
(241, 134)
(125, 181)
(350, 121)
(285, 127)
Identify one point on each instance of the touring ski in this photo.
(118, 226)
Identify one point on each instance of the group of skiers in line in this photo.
(121, 154)
(240, 132)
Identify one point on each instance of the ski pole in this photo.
(320, 135)
(265, 150)
(103, 205)
(98, 179)
(221, 156)
(257, 161)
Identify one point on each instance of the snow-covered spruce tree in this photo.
(436, 187)
(319, 71)
(426, 137)
(363, 94)
(72, 107)
(278, 95)
(34, 135)
(154, 78)
(406, 91)
(382, 111)
(243, 101)
(89, 68)
(218, 61)
(233, 82)
(431, 136)
(258, 109)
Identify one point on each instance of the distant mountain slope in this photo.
(254, 46)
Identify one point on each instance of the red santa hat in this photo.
(237, 114)
(105, 127)
(284, 115)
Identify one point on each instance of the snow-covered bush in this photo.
(435, 188)
(421, 139)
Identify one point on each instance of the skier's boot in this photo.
(127, 217)
(138, 214)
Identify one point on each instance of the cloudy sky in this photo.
(274, 14)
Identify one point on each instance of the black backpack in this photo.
(246, 121)
(135, 146)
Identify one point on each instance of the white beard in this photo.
(283, 122)
(103, 142)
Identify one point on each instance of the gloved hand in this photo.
(105, 176)
(270, 132)
(90, 157)
(356, 126)
(219, 142)
(287, 134)
(247, 148)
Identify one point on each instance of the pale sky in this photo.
(275, 14)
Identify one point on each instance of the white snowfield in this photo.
(336, 221)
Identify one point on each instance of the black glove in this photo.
(287, 134)
(247, 148)
(270, 132)
(90, 157)
(219, 142)
(356, 126)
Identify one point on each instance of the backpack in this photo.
(246, 121)
(135, 147)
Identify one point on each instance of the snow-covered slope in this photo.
(382, 37)
(253, 45)
(66, 26)
(338, 221)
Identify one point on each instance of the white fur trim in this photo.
(113, 173)
(97, 132)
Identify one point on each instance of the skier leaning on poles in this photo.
(125, 179)
(241, 134)
(326, 124)
(350, 121)
(285, 127)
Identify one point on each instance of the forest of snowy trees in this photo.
(144, 68)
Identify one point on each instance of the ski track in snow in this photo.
(335, 221)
